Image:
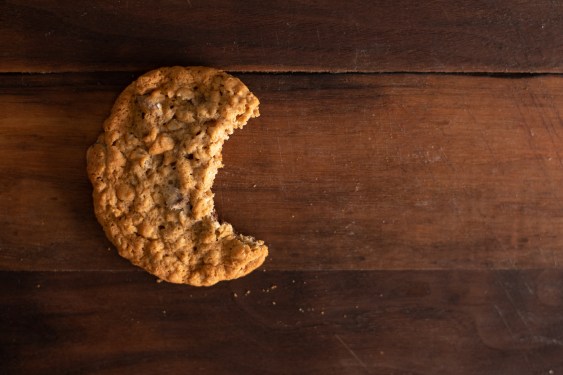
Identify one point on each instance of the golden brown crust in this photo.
(153, 168)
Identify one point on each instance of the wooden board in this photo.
(335, 36)
(360, 172)
(462, 322)
(414, 217)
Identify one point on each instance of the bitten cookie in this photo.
(153, 167)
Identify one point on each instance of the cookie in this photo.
(153, 167)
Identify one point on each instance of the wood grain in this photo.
(350, 172)
(335, 36)
(336, 322)
(415, 221)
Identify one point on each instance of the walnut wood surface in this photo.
(336, 36)
(335, 322)
(340, 172)
(414, 218)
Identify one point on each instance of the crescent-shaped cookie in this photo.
(153, 167)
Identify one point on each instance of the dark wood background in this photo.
(406, 172)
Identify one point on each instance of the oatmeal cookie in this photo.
(153, 167)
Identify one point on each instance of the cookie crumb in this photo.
(274, 286)
(235, 295)
(158, 281)
(38, 286)
(247, 293)
(274, 303)
(301, 310)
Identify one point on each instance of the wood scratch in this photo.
(546, 120)
(501, 315)
(530, 290)
(549, 129)
(447, 160)
(527, 126)
(511, 300)
(493, 155)
(523, 320)
(551, 104)
(352, 353)
(547, 340)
